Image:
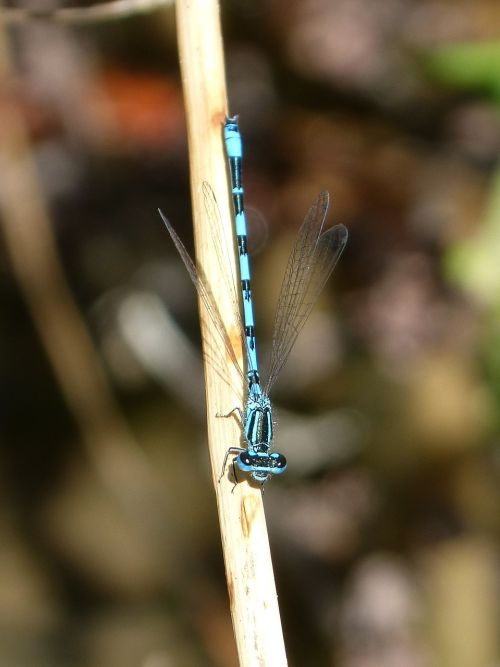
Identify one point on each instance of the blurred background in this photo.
(385, 531)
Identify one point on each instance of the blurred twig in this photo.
(31, 247)
(106, 11)
(252, 591)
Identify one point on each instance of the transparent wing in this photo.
(223, 252)
(201, 284)
(310, 264)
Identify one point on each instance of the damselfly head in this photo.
(261, 466)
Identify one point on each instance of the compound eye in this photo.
(279, 461)
(245, 459)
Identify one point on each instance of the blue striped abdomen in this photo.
(234, 150)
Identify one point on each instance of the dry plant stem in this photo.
(252, 591)
(31, 247)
